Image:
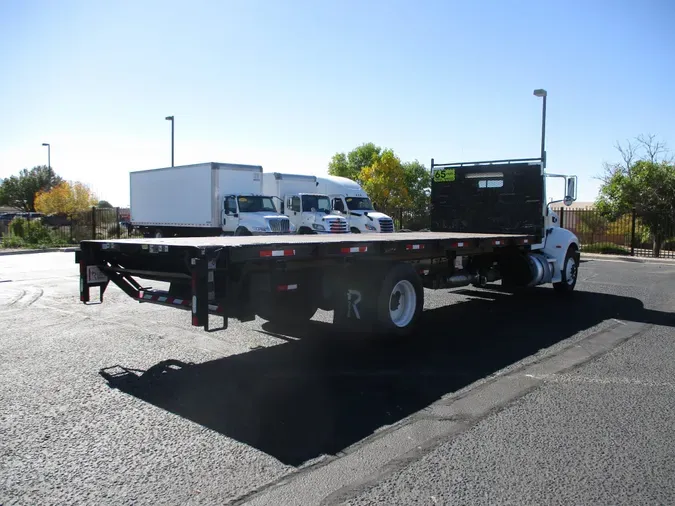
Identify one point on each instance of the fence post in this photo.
(117, 222)
(632, 234)
(562, 217)
(93, 222)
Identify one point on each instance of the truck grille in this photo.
(386, 225)
(279, 225)
(337, 226)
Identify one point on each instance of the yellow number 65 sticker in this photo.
(444, 175)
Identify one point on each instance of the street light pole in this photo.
(171, 118)
(542, 93)
(49, 154)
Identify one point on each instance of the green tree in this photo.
(351, 164)
(104, 204)
(644, 182)
(418, 182)
(20, 191)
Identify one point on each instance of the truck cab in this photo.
(310, 213)
(253, 215)
(351, 201)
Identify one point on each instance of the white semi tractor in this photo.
(308, 208)
(205, 199)
(352, 201)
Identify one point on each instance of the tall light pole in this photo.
(49, 154)
(171, 119)
(542, 94)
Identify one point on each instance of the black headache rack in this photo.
(499, 196)
(217, 276)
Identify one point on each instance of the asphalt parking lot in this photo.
(528, 399)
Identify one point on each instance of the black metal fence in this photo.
(95, 223)
(630, 234)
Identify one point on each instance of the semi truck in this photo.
(204, 199)
(308, 209)
(352, 201)
(489, 223)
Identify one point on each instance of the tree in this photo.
(385, 182)
(350, 165)
(104, 204)
(66, 199)
(20, 191)
(418, 182)
(646, 183)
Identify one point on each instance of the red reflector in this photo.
(458, 245)
(355, 249)
(286, 288)
(277, 253)
(498, 242)
(410, 247)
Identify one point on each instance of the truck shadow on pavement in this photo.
(322, 391)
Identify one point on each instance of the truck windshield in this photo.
(316, 202)
(359, 204)
(256, 205)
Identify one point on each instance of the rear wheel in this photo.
(570, 271)
(400, 301)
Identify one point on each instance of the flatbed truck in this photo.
(489, 222)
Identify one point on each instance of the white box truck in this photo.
(308, 209)
(204, 199)
(352, 201)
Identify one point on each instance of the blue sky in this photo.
(288, 84)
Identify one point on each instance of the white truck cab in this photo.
(350, 200)
(253, 215)
(308, 209)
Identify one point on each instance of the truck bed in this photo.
(310, 239)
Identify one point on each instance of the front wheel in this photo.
(570, 272)
(355, 230)
(242, 231)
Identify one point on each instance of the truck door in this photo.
(339, 206)
(230, 214)
(292, 209)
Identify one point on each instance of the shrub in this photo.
(606, 248)
(12, 241)
(17, 227)
(36, 233)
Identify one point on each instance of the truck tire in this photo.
(242, 231)
(355, 230)
(570, 271)
(287, 308)
(400, 301)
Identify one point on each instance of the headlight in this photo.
(370, 227)
(316, 226)
(291, 227)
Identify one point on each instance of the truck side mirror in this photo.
(571, 191)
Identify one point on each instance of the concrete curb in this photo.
(623, 258)
(46, 250)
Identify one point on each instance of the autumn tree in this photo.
(66, 199)
(385, 182)
(20, 191)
